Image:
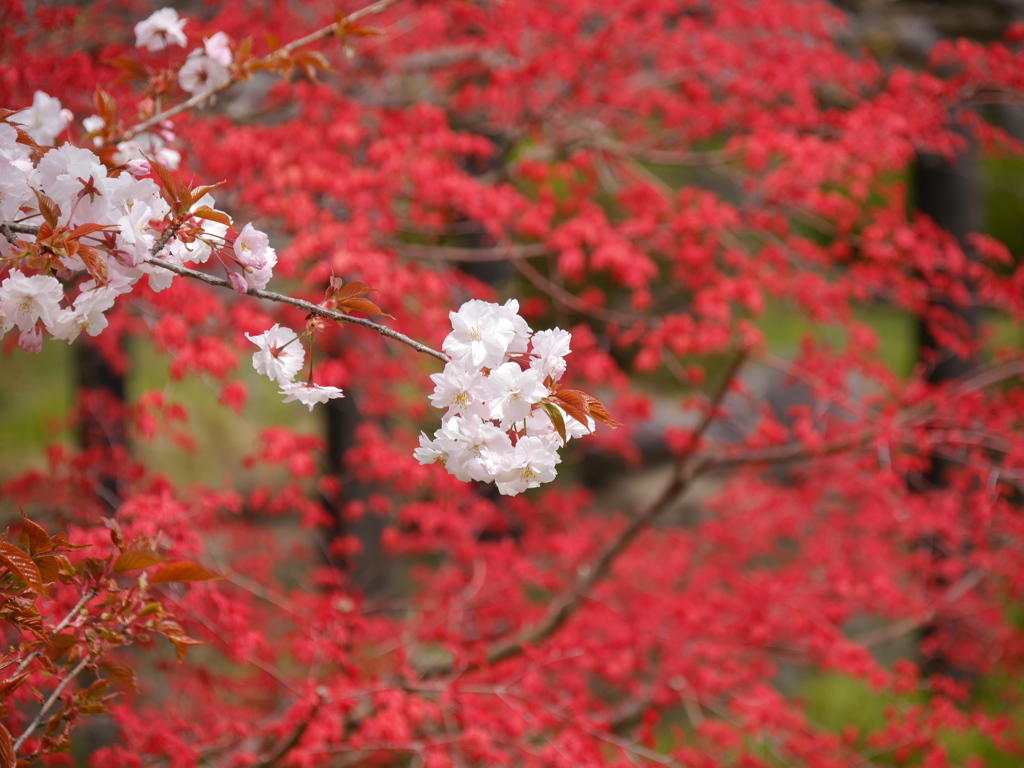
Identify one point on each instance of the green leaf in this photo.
(556, 420)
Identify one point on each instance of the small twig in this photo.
(64, 622)
(306, 305)
(293, 741)
(471, 255)
(49, 703)
(199, 98)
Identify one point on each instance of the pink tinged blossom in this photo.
(532, 463)
(161, 29)
(218, 48)
(481, 334)
(512, 392)
(280, 355)
(200, 73)
(237, 283)
(31, 340)
(549, 350)
(258, 278)
(309, 394)
(461, 391)
(138, 167)
(44, 120)
(251, 247)
(25, 300)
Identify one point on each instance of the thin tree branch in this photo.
(292, 741)
(50, 702)
(306, 305)
(64, 622)
(294, 45)
(269, 295)
(453, 253)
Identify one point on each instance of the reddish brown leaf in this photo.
(95, 262)
(203, 189)
(115, 532)
(49, 209)
(105, 105)
(60, 541)
(574, 403)
(10, 685)
(362, 305)
(170, 184)
(182, 643)
(7, 757)
(129, 68)
(121, 672)
(600, 413)
(50, 567)
(205, 212)
(133, 560)
(87, 229)
(21, 565)
(34, 537)
(182, 572)
(353, 289)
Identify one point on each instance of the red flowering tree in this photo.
(663, 180)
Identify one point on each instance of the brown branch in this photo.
(291, 742)
(199, 98)
(453, 253)
(271, 296)
(56, 630)
(563, 297)
(38, 719)
(306, 305)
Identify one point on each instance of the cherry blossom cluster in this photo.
(500, 422)
(100, 222)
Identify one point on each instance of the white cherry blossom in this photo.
(480, 334)
(532, 463)
(461, 391)
(280, 355)
(25, 300)
(44, 120)
(512, 393)
(200, 73)
(161, 29)
(309, 394)
(549, 350)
